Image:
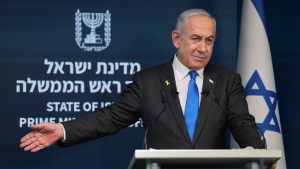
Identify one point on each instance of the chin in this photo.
(197, 67)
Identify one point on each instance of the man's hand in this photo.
(273, 166)
(42, 136)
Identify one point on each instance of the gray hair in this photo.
(184, 16)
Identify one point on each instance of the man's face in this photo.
(196, 45)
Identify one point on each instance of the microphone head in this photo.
(174, 92)
(205, 92)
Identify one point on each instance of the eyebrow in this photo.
(211, 36)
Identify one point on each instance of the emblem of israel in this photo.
(93, 41)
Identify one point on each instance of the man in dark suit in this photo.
(158, 95)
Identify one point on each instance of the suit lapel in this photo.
(169, 86)
(209, 83)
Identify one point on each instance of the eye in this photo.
(195, 39)
(209, 41)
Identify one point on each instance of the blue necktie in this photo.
(192, 105)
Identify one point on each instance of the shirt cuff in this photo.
(64, 136)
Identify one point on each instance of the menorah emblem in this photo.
(92, 20)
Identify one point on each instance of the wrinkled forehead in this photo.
(200, 22)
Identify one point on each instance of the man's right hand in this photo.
(42, 136)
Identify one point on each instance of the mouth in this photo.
(199, 57)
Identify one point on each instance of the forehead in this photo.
(200, 24)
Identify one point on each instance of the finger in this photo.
(32, 146)
(38, 148)
(22, 145)
(27, 139)
(37, 126)
(31, 142)
(273, 166)
(35, 143)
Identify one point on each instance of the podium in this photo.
(203, 159)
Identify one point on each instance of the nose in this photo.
(202, 46)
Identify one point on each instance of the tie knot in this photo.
(193, 74)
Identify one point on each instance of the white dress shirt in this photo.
(182, 79)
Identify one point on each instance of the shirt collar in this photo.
(181, 71)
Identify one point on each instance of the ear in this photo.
(176, 38)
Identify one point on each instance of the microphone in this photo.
(163, 100)
(174, 92)
(205, 92)
(264, 141)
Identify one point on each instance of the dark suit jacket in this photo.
(142, 99)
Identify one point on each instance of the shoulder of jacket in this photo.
(216, 69)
